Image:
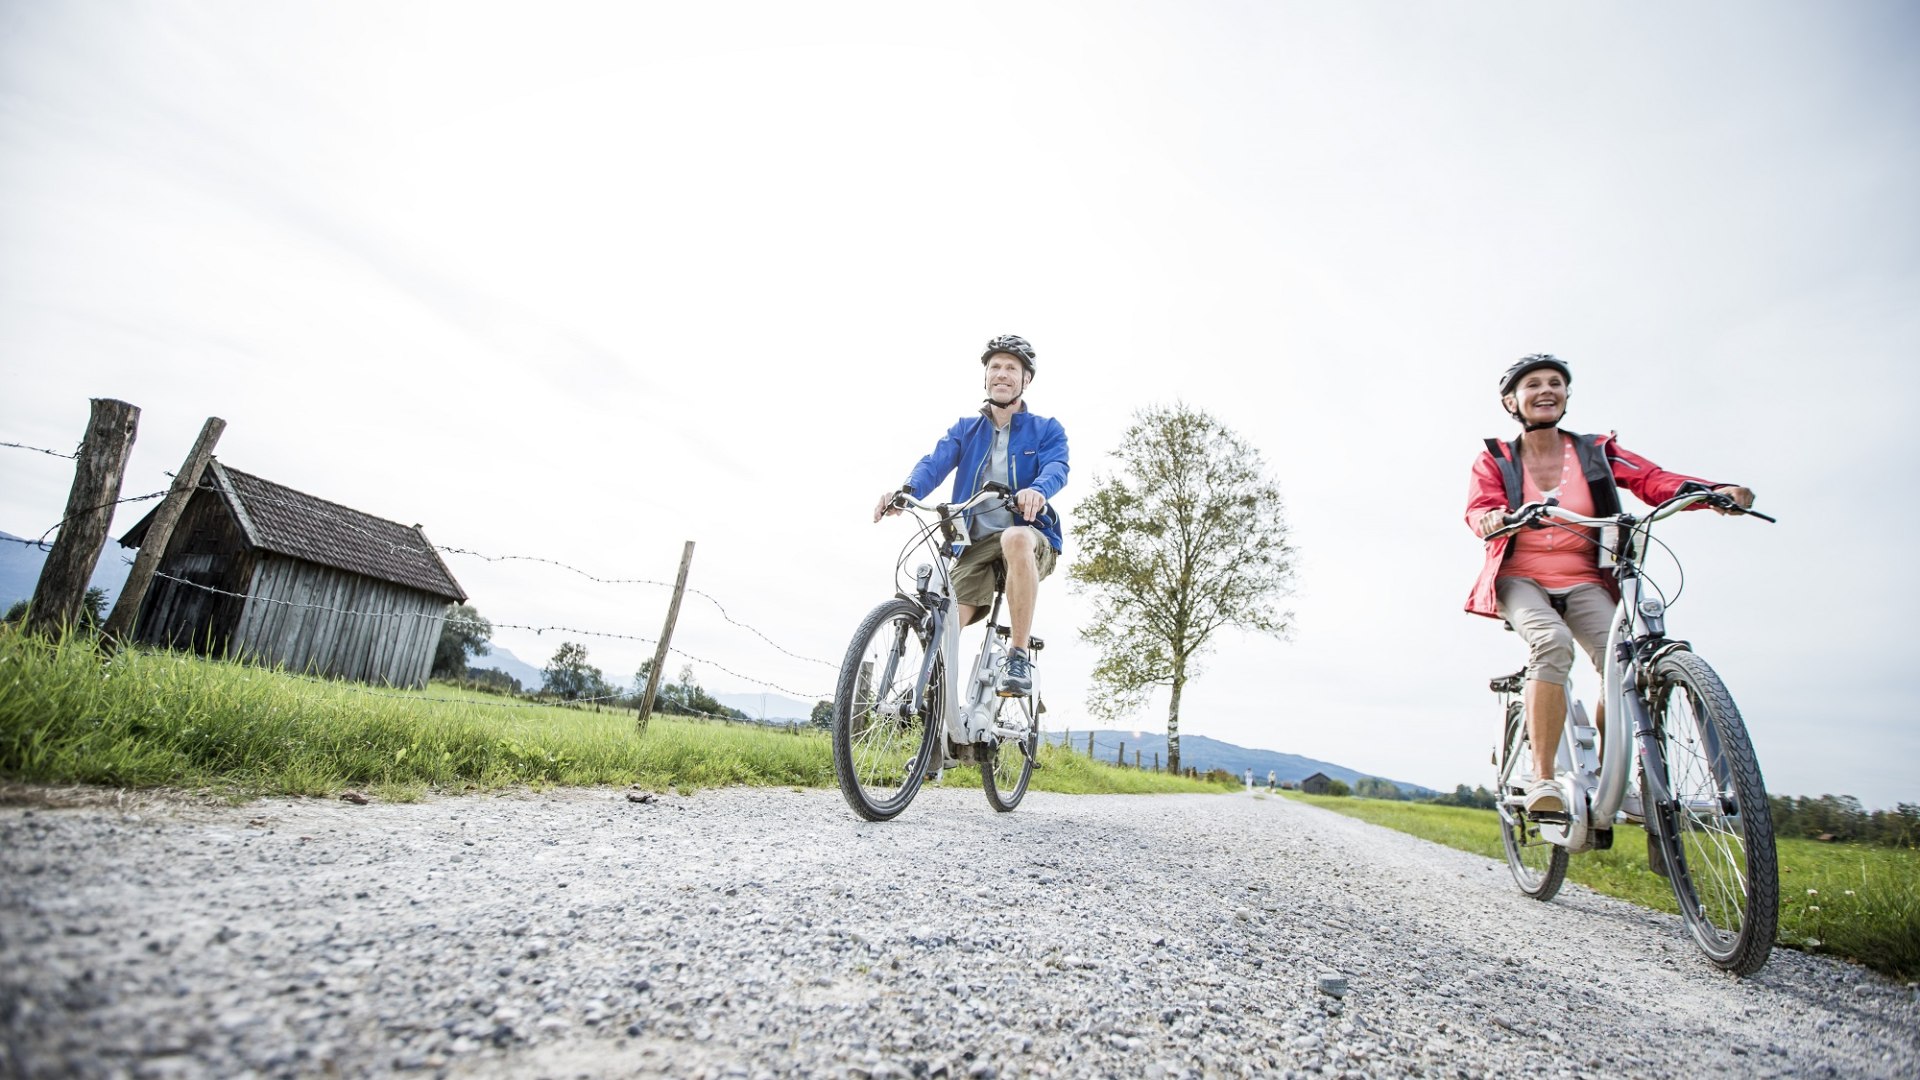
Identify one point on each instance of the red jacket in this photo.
(1603, 461)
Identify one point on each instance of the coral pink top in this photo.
(1561, 555)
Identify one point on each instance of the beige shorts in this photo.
(973, 574)
(1549, 635)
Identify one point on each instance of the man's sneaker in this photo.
(1630, 807)
(1017, 678)
(1544, 798)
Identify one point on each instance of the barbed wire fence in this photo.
(448, 619)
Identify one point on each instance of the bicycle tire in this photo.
(881, 744)
(1539, 868)
(1009, 765)
(1716, 833)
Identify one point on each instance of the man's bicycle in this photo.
(900, 713)
(1696, 784)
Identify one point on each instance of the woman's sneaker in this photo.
(1544, 798)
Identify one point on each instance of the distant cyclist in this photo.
(1547, 582)
(1027, 453)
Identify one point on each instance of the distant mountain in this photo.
(20, 569)
(1202, 753)
(500, 658)
(772, 708)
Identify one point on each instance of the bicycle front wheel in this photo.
(1009, 764)
(1539, 868)
(1717, 831)
(883, 739)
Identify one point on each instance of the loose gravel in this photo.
(768, 933)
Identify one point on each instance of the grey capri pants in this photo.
(1528, 608)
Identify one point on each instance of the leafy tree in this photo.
(492, 680)
(1188, 538)
(93, 609)
(687, 696)
(1372, 787)
(822, 714)
(570, 676)
(1338, 787)
(464, 634)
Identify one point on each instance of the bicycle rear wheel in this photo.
(1717, 832)
(1009, 763)
(1539, 868)
(882, 738)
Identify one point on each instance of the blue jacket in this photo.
(1036, 452)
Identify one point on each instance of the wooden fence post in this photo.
(1156, 761)
(1120, 758)
(120, 624)
(1089, 744)
(666, 635)
(62, 588)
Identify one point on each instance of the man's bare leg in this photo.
(1019, 545)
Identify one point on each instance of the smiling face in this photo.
(1540, 397)
(1007, 378)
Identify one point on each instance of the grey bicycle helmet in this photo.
(1014, 344)
(1533, 363)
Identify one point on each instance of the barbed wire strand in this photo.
(41, 450)
(469, 623)
(56, 526)
(394, 548)
(573, 703)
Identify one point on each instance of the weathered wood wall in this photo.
(207, 549)
(321, 621)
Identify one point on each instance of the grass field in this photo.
(1855, 901)
(159, 719)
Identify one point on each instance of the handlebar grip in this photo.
(1529, 514)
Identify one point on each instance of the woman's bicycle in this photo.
(1697, 788)
(900, 714)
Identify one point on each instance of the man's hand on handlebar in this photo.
(1029, 503)
(886, 507)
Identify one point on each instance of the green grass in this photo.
(1855, 901)
(161, 719)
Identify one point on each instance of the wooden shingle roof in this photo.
(279, 519)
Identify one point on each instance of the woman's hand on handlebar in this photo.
(1741, 497)
(1490, 522)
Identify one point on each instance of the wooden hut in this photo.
(265, 573)
(1317, 784)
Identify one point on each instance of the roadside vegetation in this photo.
(1856, 901)
(164, 719)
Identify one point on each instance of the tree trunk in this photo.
(62, 588)
(1173, 716)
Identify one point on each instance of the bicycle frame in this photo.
(1637, 638)
(973, 720)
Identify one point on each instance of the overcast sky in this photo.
(585, 282)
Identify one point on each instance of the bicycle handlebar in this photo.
(1530, 515)
(905, 500)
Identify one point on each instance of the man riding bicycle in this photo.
(1547, 582)
(1006, 444)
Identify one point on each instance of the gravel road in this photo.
(767, 933)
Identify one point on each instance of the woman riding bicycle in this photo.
(1547, 583)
